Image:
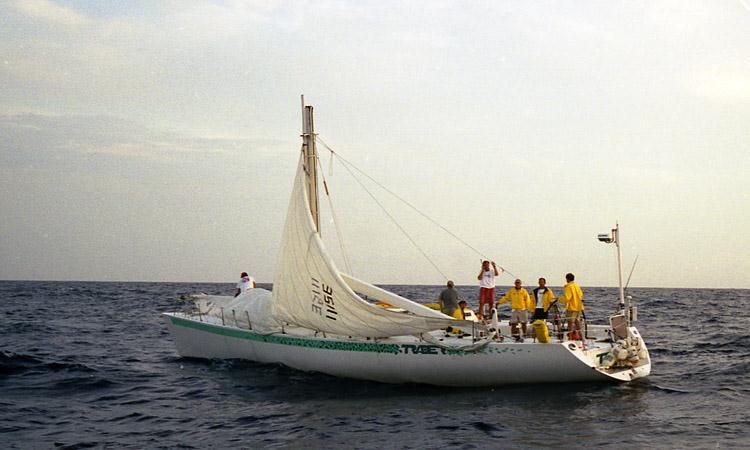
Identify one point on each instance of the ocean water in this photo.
(91, 365)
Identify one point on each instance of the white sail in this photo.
(310, 292)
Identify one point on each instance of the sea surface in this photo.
(91, 365)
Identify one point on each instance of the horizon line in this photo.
(382, 284)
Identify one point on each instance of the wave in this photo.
(665, 351)
(76, 446)
(489, 429)
(26, 327)
(133, 417)
(737, 345)
(726, 340)
(13, 363)
(82, 384)
(672, 390)
(738, 368)
(249, 420)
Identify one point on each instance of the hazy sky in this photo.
(156, 141)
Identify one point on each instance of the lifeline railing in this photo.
(559, 329)
(197, 312)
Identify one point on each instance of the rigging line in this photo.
(631, 273)
(394, 221)
(436, 223)
(504, 270)
(401, 199)
(336, 223)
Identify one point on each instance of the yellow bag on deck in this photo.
(541, 331)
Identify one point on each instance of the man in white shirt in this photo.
(486, 279)
(246, 282)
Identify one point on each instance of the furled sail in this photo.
(310, 292)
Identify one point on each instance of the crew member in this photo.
(542, 297)
(246, 282)
(486, 279)
(448, 299)
(459, 312)
(519, 305)
(572, 298)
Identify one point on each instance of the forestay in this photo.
(310, 292)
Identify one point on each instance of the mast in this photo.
(616, 234)
(615, 238)
(310, 161)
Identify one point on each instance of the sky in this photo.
(157, 141)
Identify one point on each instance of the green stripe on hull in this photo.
(288, 340)
(369, 347)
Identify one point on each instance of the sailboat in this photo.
(320, 319)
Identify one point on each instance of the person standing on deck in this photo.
(246, 282)
(519, 305)
(572, 298)
(486, 279)
(541, 299)
(449, 299)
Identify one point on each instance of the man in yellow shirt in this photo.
(519, 305)
(463, 312)
(541, 299)
(572, 298)
(460, 313)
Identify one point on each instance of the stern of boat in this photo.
(622, 360)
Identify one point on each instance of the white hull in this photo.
(400, 359)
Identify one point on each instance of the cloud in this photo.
(209, 20)
(50, 12)
(109, 143)
(721, 83)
